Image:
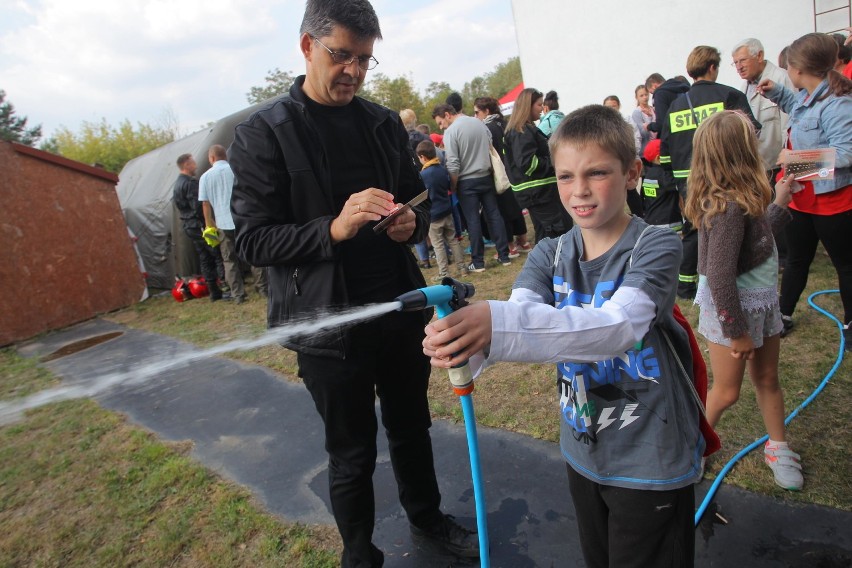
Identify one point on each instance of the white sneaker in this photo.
(785, 465)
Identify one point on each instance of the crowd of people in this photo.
(699, 167)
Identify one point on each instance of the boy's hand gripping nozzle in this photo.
(446, 297)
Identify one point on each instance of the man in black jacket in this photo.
(315, 169)
(185, 195)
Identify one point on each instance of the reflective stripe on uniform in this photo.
(533, 183)
(533, 166)
(680, 173)
(650, 187)
(688, 278)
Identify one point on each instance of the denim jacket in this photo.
(816, 123)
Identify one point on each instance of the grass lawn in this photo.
(81, 487)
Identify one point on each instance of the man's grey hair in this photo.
(754, 46)
(357, 16)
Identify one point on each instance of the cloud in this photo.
(62, 62)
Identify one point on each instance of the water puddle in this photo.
(81, 345)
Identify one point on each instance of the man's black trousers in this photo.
(385, 358)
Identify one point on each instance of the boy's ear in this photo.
(634, 172)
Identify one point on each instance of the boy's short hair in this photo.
(701, 59)
(654, 79)
(599, 125)
(426, 149)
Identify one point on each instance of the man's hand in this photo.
(369, 205)
(455, 338)
(401, 228)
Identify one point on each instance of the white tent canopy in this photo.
(145, 193)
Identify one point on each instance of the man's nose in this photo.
(352, 68)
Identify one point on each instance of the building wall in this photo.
(589, 50)
(66, 255)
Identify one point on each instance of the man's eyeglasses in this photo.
(742, 60)
(365, 62)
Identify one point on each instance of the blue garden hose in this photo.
(757, 443)
(447, 297)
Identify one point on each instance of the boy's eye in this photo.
(599, 173)
(564, 177)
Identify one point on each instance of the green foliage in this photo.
(400, 92)
(396, 94)
(14, 128)
(436, 93)
(277, 83)
(111, 147)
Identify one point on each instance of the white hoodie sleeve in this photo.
(525, 329)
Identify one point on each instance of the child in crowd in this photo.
(660, 199)
(441, 229)
(598, 302)
(729, 202)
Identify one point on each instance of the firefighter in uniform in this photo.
(704, 98)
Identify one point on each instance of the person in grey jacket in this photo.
(315, 170)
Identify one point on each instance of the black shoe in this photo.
(787, 322)
(450, 536)
(847, 336)
(215, 292)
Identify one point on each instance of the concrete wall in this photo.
(589, 50)
(66, 255)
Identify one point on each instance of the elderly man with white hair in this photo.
(748, 59)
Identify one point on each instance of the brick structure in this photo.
(65, 253)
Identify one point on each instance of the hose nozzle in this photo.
(447, 297)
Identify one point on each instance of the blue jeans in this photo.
(473, 194)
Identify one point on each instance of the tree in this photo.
(504, 78)
(14, 129)
(277, 83)
(100, 143)
(399, 92)
(436, 94)
(396, 94)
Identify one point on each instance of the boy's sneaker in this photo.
(450, 536)
(526, 247)
(473, 268)
(489, 243)
(785, 465)
(437, 279)
(505, 261)
(847, 336)
(787, 322)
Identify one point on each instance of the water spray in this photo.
(447, 297)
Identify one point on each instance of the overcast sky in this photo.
(66, 61)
